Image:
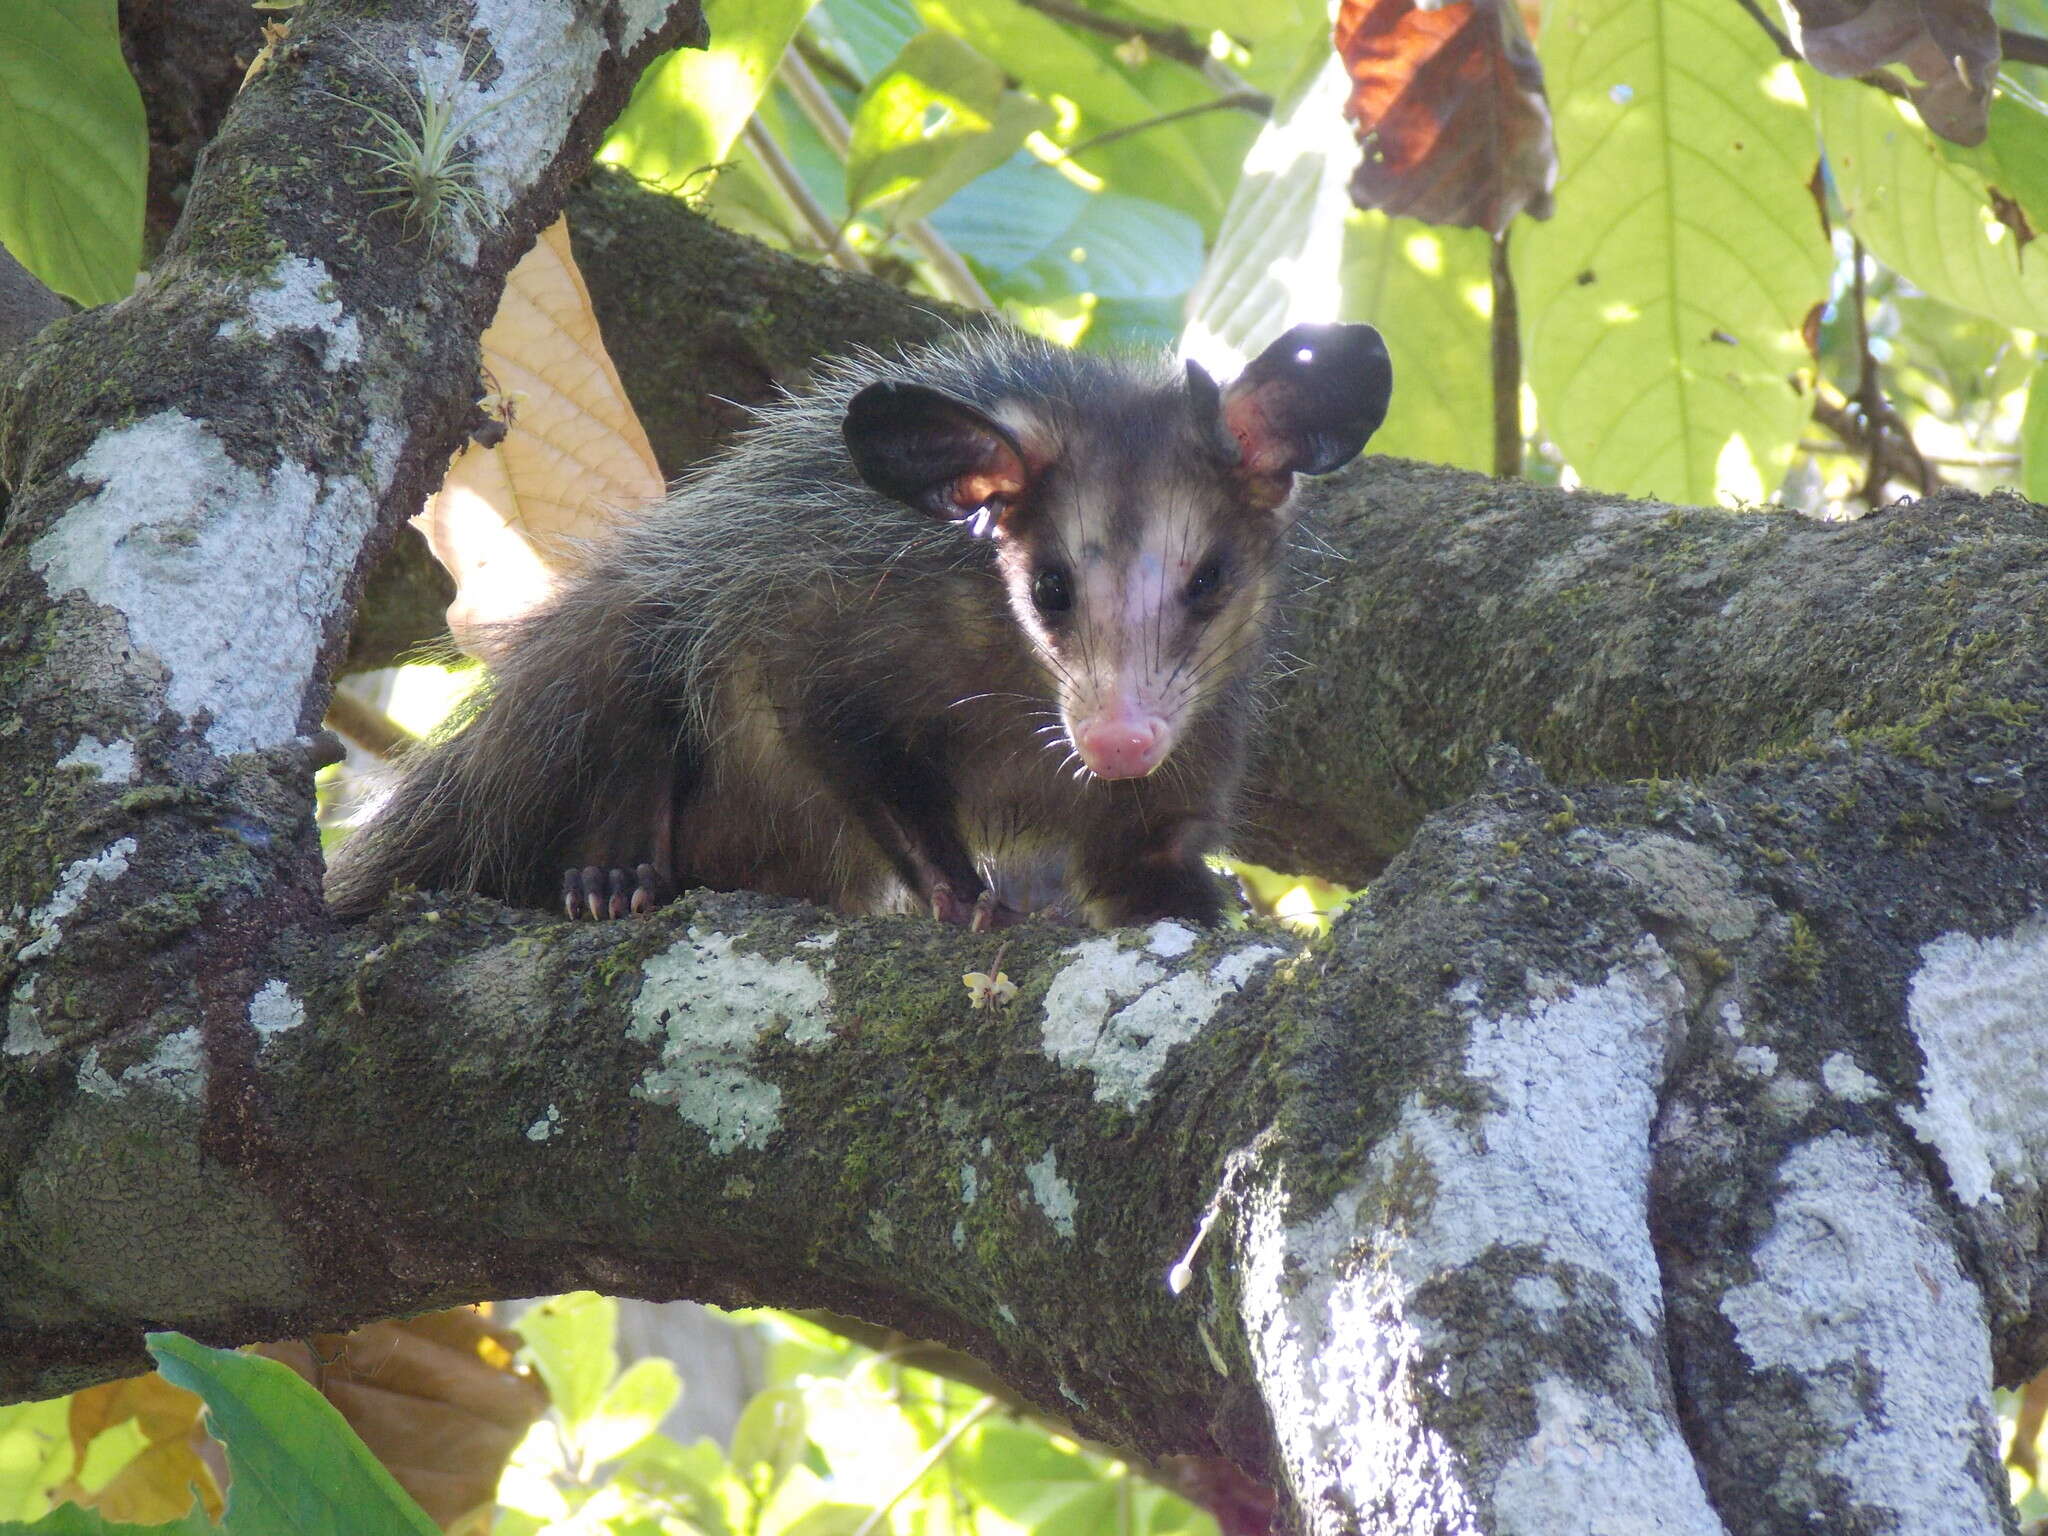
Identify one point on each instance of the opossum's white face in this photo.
(1140, 611)
(1136, 523)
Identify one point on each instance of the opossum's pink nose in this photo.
(1124, 746)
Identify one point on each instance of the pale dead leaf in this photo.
(506, 520)
(159, 1483)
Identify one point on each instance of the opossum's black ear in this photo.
(1308, 402)
(930, 451)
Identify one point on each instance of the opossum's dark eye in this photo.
(1051, 592)
(1207, 578)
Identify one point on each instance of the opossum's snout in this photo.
(1123, 745)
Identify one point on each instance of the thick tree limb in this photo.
(1637, 1155)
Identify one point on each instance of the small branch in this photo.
(1250, 101)
(1869, 394)
(1507, 367)
(1776, 33)
(368, 727)
(1899, 458)
(1168, 42)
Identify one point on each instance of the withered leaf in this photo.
(1949, 46)
(1449, 107)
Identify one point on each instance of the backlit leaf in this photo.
(691, 104)
(1664, 302)
(2034, 438)
(1928, 214)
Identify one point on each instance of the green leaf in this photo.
(631, 1411)
(570, 1340)
(935, 119)
(1926, 213)
(1037, 237)
(74, 148)
(1161, 162)
(1029, 1480)
(2034, 438)
(70, 1520)
(770, 1434)
(35, 1454)
(691, 104)
(1663, 304)
(296, 1464)
(1430, 292)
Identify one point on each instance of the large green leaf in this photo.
(1662, 306)
(1927, 213)
(690, 105)
(296, 1465)
(74, 148)
(1430, 291)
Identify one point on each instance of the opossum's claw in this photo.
(596, 893)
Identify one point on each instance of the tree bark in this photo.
(1658, 1145)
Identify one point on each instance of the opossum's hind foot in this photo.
(597, 894)
(980, 915)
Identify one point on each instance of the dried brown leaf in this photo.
(1449, 108)
(1950, 46)
(436, 1399)
(159, 1483)
(506, 520)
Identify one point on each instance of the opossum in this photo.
(985, 611)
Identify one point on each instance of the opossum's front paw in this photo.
(977, 916)
(591, 892)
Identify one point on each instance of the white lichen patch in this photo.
(1169, 940)
(1846, 1080)
(1756, 1060)
(107, 759)
(25, 1033)
(273, 1010)
(1857, 1284)
(1591, 1466)
(1560, 1158)
(176, 1067)
(298, 295)
(970, 1184)
(1116, 1012)
(545, 1126)
(262, 556)
(1054, 1194)
(1979, 1010)
(46, 923)
(708, 1008)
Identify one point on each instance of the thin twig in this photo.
(1869, 396)
(1507, 367)
(1168, 42)
(932, 1458)
(1776, 33)
(1252, 101)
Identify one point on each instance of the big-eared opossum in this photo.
(989, 607)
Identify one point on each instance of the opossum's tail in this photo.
(573, 752)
